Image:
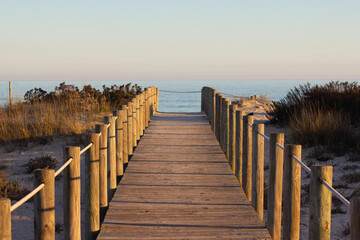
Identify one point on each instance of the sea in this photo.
(174, 95)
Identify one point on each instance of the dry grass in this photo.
(22, 121)
(316, 126)
(12, 189)
(61, 112)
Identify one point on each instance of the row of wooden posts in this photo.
(243, 144)
(107, 154)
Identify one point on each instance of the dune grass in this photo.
(325, 115)
(62, 112)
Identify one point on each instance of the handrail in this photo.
(86, 148)
(27, 197)
(63, 166)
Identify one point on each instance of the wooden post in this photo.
(44, 204)
(247, 156)
(147, 113)
(5, 219)
(92, 214)
(292, 191)
(213, 109)
(119, 143)
(232, 139)
(123, 110)
(202, 99)
(225, 127)
(142, 113)
(130, 129)
(257, 195)
(239, 136)
(72, 194)
(355, 218)
(138, 128)
(320, 203)
(275, 185)
(134, 123)
(157, 99)
(10, 94)
(103, 129)
(112, 155)
(218, 116)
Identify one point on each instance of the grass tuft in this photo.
(12, 189)
(41, 162)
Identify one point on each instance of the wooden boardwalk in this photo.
(179, 185)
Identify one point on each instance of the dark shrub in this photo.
(45, 161)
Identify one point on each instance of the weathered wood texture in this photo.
(178, 184)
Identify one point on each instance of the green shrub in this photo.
(45, 161)
(12, 189)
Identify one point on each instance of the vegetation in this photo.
(12, 189)
(320, 115)
(64, 111)
(45, 161)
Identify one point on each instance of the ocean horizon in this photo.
(172, 102)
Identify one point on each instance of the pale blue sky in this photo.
(179, 39)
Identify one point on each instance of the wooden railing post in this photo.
(232, 138)
(138, 117)
(320, 203)
(275, 185)
(247, 156)
(150, 103)
(147, 109)
(157, 99)
(44, 205)
(218, 116)
(292, 191)
(5, 219)
(72, 194)
(355, 218)
(257, 195)
(225, 127)
(213, 109)
(142, 123)
(202, 99)
(103, 129)
(92, 214)
(130, 128)
(134, 123)
(239, 136)
(119, 144)
(112, 155)
(124, 114)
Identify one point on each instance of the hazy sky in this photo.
(179, 39)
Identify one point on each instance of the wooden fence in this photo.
(243, 144)
(113, 143)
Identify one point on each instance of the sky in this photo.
(179, 39)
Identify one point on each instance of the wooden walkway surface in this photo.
(178, 185)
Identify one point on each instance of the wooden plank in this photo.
(179, 185)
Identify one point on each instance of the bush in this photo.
(333, 96)
(61, 112)
(12, 189)
(321, 115)
(45, 161)
(316, 126)
(113, 96)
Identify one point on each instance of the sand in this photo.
(14, 158)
